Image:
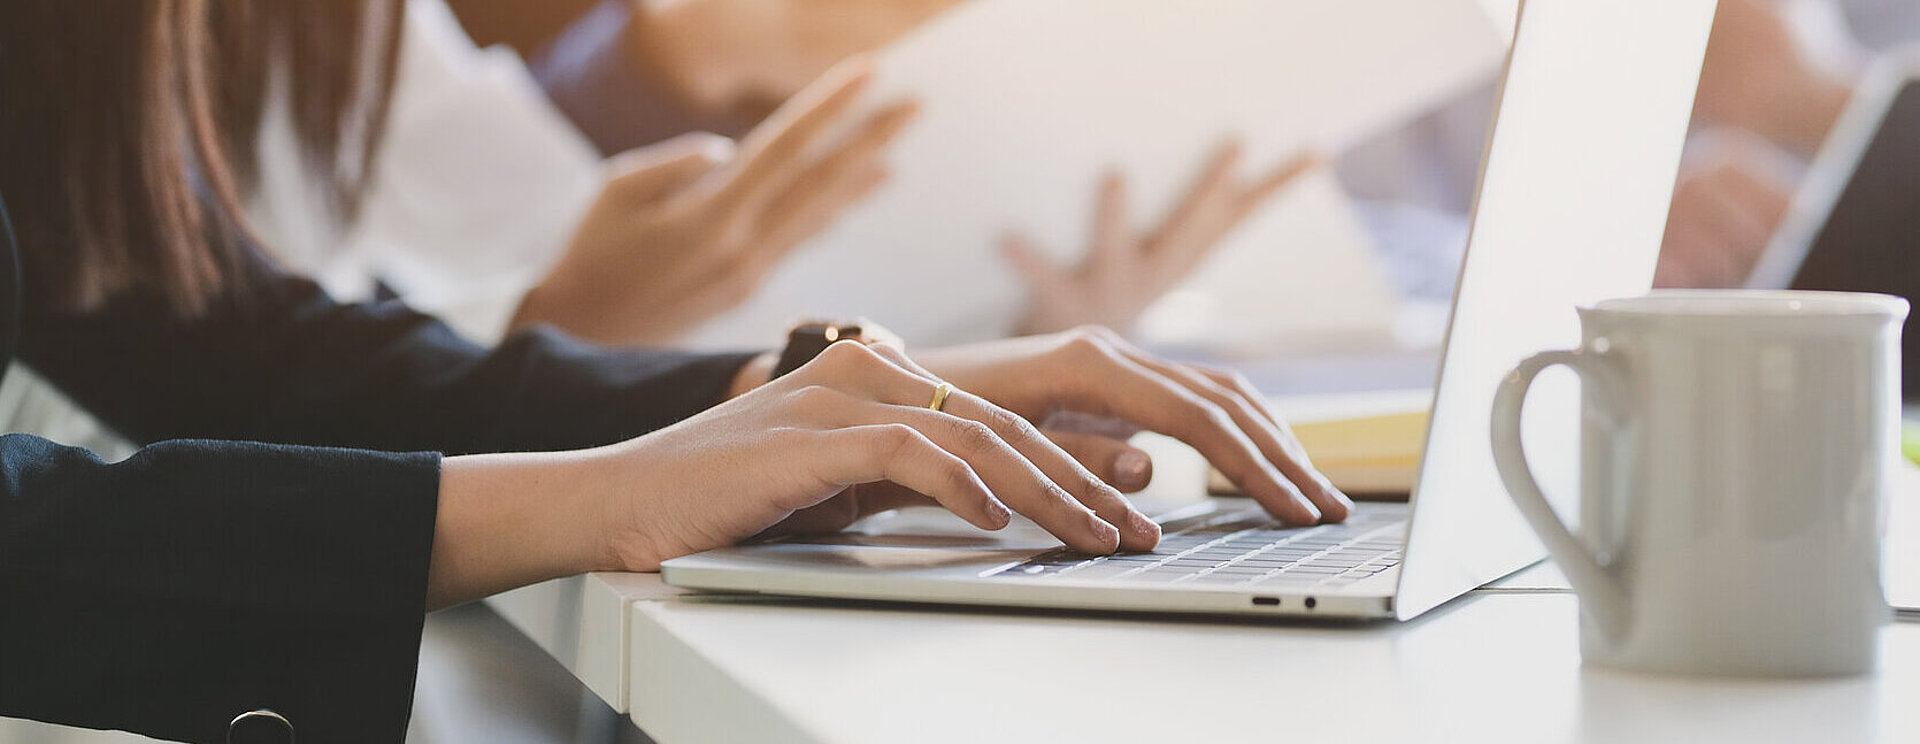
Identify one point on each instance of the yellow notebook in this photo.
(1363, 455)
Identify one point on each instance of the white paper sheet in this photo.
(1026, 103)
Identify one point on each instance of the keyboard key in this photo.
(1233, 551)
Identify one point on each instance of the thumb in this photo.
(648, 174)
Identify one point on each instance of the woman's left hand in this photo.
(1093, 373)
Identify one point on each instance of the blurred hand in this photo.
(1724, 213)
(1126, 270)
(1756, 78)
(689, 228)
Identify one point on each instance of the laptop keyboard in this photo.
(1239, 550)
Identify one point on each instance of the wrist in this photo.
(508, 520)
(546, 303)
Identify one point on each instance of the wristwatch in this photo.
(808, 338)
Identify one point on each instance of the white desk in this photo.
(1495, 666)
(1491, 668)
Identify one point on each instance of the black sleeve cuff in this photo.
(198, 580)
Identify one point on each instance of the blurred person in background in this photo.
(318, 474)
(1777, 75)
(493, 213)
(633, 72)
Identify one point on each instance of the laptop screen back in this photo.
(1571, 205)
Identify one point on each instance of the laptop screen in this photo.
(1571, 206)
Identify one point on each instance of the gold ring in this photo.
(940, 396)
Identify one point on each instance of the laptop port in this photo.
(1266, 601)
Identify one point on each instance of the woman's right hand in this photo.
(850, 434)
(847, 435)
(689, 228)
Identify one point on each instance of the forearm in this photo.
(510, 520)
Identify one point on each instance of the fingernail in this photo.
(717, 149)
(1132, 471)
(1341, 496)
(1142, 526)
(1109, 535)
(1313, 512)
(1000, 514)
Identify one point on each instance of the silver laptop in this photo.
(1572, 201)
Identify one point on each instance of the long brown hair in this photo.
(128, 128)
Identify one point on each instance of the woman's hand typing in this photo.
(847, 435)
(852, 433)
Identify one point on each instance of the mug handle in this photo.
(1601, 596)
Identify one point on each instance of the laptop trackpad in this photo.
(909, 538)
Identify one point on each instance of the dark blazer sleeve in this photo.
(284, 363)
(195, 581)
(201, 579)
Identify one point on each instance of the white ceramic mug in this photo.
(1736, 449)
